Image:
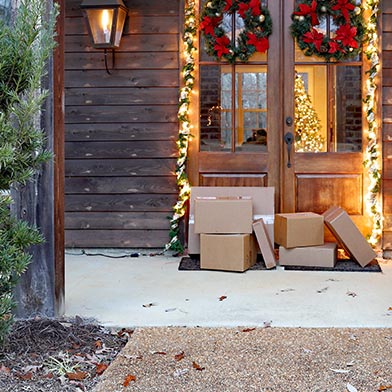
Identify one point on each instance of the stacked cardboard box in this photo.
(225, 227)
(301, 240)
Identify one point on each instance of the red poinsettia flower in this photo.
(344, 6)
(314, 37)
(243, 7)
(221, 46)
(261, 44)
(255, 7)
(208, 25)
(304, 10)
(229, 4)
(333, 47)
(346, 35)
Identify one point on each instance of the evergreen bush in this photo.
(26, 44)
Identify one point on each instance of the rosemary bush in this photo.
(26, 43)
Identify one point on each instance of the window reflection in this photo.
(328, 108)
(242, 118)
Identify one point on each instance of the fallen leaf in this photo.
(351, 388)
(100, 368)
(286, 290)
(351, 294)
(25, 376)
(384, 387)
(98, 344)
(222, 297)
(323, 290)
(248, 329)
(170, 310)
(341, 371)
(149, 305)
(159, 352)
(197, 366)
(128, 379)
(4, 369)
(180, 372)
(77, 376)
(179, 356)
(390, 308)
(48, 375)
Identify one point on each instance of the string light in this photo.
(184, 134)
(372, 154)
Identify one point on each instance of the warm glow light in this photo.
(372, 159)
(105, 25)
(188, 71)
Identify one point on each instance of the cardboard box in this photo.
(265, 245)
(299, 229)
(215, 215)
(311, 256)
(227, 252)
(348, 235)
(263, 207)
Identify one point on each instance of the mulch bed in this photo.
(57, 355)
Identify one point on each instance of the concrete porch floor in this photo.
(150, 291)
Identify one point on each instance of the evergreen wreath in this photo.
(253, 38)
(344, 42)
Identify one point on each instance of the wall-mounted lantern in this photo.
(105, 23)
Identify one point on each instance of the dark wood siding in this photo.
(387, 121)
(121, 129)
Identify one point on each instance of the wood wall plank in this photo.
(120, 202)
(121, 131)
(120, 167)
(121, 150)
(116, 238)
(117, 220)
(114, 185)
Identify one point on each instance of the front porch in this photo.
(150, 291)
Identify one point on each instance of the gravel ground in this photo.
(248, 359)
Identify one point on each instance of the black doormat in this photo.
(188, 263)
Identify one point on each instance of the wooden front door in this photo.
(283, 120)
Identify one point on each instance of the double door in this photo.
(284, 120)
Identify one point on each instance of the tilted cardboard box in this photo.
(348, 235)
(309, 256)
(265, 245)
(227, 252)
(299, 229)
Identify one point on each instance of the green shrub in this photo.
(26, 43)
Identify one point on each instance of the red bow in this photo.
(314, 37)
(261, 44)
(344, 6)
(221, 46)
(346, 35)
(306, 10)
(208, 25)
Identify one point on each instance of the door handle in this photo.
(288, 139)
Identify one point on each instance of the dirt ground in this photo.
(57, 355)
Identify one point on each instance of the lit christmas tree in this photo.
(307, 123)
